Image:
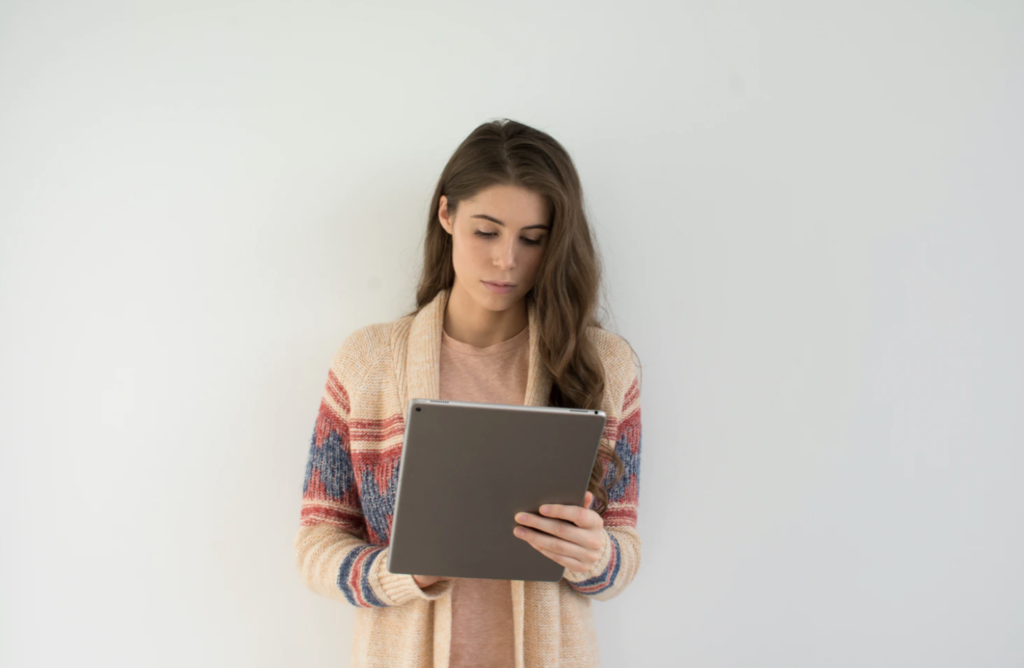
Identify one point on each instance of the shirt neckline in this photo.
(520, 339)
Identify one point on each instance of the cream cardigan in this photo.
(349, 491)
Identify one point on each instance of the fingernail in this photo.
(545, 509)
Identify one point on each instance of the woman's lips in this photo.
(499, 289)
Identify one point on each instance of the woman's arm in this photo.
(600, 552)
(332, 555)
(620, 556)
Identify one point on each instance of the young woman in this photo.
(505, 314)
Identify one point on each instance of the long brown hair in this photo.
(505, 152)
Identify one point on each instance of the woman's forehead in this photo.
(509, 206)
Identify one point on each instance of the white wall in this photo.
(811, 217)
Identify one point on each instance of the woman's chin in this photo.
(496, 301)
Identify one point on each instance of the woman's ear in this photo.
(442, 214)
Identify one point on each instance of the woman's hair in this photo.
(505, 152)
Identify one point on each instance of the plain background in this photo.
(811, 220)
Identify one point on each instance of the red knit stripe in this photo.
(632, 394)
(624, 516)
(345, 519)
(337, 392)
(377, 430)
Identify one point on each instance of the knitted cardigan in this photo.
(348, 497)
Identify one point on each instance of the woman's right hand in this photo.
(426, 580)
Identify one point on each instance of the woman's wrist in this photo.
(424, 581)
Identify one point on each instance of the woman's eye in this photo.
(527, 240)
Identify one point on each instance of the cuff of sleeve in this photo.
(400, 588)
(599, 567)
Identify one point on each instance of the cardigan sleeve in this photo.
(620, 557)
(332, 553)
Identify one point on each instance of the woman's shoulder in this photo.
(610, 345)
(364, 347)
(616, 353)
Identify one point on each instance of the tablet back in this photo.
(467, 468)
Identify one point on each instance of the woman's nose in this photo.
(507, 255)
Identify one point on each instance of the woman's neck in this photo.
(467, 321)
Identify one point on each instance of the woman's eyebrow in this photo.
(495, 220)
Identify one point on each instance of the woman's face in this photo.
(499, 236)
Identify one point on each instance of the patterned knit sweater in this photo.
(348, 496)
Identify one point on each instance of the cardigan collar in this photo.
(423, 361)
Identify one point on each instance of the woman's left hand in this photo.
(572, 536)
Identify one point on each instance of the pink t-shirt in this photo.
(482, 631)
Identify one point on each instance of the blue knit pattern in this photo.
(333, 463)
(364, 597)
(606, 578)
(631, 464)
(378, 501)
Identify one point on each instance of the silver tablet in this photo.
(467, 468)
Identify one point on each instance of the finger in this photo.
(582, 517)
(588, 499)
(568, 562)
(541, 540)
(567, 531)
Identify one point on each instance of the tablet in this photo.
(467, 468)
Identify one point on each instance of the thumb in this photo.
(588, 499)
